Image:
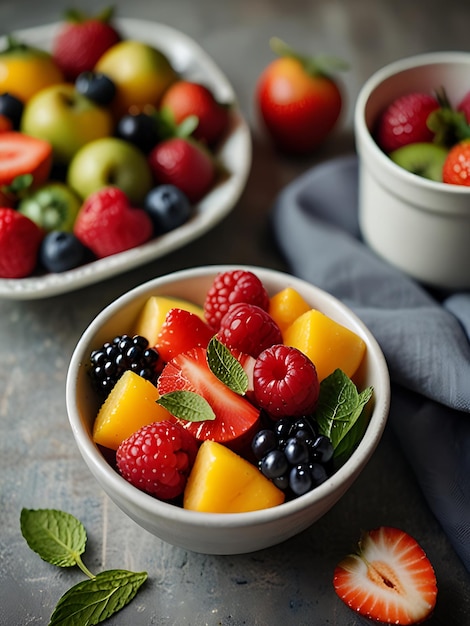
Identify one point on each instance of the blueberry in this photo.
(12, 108)
(61, 251)
(318, 474)
(168, 208)
(96, 86)
(300, 479)
(322, 449)
(263, 442)
(139, 129)
(296, 451)
(274, 464)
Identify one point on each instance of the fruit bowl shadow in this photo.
(418, 225)
(212, 533)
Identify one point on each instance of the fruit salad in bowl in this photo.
(111, 164)
(225, 409)
(412, 136)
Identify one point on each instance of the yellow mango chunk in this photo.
(153, 315)
(328, 345)
(286, 306)
(130, 405)
(223, 482)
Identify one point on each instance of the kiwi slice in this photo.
(423, 159)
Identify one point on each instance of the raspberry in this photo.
(285, 382)
(232, 287)
(158, 458)
(249, 329)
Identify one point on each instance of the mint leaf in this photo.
(226, 367)
(339, 410)
(59, 538)
(93, 601)
(187, 405)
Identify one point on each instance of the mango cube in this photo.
(286, 306)
(153, 315)
(131, 404)
(223, 482)
(328, 344)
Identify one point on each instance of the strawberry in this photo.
(108, 224)
(82, 40)
(456, 169)
(404, 121)
(185, 98)
(390, 579)
(21, 154)
(231, 287)
(181, 331)
(248, 328)
(235, 417)
(298, 100)
(185, 164)
(285, 382)
(20, 239)
(158, 458)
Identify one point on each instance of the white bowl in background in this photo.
(213, 533)
(418, 225)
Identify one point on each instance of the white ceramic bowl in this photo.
(418, 225)
(208, 532)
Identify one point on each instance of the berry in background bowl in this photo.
(227, 491)
(410, 119)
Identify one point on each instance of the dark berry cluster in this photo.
(293, 455)
(113, 358)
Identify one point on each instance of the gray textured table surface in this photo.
(40, 466)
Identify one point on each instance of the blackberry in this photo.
(293, 455)
(123, 353)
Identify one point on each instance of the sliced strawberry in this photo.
(21, 154)
(390, 579)
(235, 416)
(181, 331)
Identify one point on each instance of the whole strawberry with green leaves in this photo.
(298, 99)
(82, 40)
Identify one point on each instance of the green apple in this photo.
(140, 72)
(53, 206)
(66, 119)
(110, 161)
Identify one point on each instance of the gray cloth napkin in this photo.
(424, 335)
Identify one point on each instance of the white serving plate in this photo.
(192, 62)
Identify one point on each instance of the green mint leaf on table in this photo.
(59, 538)
(340, 412)
(93, 601)
(187, 405)
(226, 367)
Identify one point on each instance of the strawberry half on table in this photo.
(389, 580)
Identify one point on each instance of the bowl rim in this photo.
(154, 507)
(364, 135)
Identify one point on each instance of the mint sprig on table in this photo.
(60, 539)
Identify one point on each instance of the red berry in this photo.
(82, 40)
(232, 287)
(107, 223)
(20, 239)
(404, 121)
(181, 331)
(21, 154)
(185, 98)
(456, 169)
(158, 458)
(285, 382)
(235, 417)
(185, 164)
(248, 328)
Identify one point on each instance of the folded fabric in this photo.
(425, 336)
